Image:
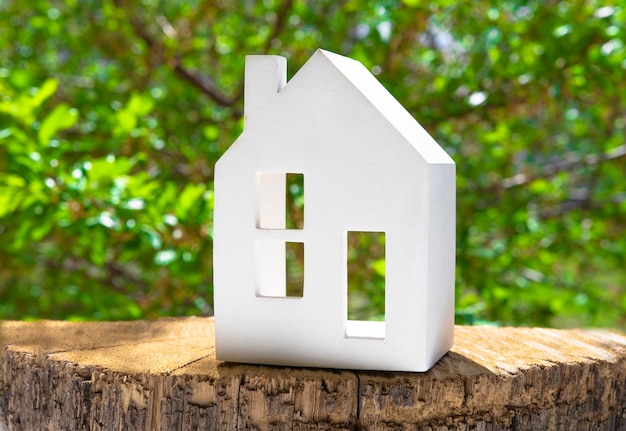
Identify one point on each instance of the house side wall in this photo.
(442, 247)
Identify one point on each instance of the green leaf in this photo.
(106, 169)
(127, 119)
(154, 237)
(48, 88)
(61, 118)
(12, 180)
(40, 231)
(379, 267)
(190, 196)
(140, 104)
(9, 201)
(98, 247)
(126, 122)
(540, 185)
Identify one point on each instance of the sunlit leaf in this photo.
(61, 118)
(47, 89)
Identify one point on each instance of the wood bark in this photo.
(163, 375)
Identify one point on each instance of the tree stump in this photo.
(163, 375)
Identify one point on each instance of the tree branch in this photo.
(279, 25)
(565, 165)
(202, 82)
(110, 274)
(579, 200)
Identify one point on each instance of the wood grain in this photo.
(163, 375)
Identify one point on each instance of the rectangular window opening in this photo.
(294, 199)
(294, 266)
(280, 269)
(279, 200)
(366, 284)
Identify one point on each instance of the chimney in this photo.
(265, 76)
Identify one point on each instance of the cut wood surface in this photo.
(163, 375)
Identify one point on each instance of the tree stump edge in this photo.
(163, 375)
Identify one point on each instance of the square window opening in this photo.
(280, 269)
(280, 200)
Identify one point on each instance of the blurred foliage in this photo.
(113, 113)
(366, 275)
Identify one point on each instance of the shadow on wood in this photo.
(162, 375)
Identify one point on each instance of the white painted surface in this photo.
(367, 166)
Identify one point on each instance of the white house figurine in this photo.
(367, 166)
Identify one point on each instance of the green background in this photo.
(113, 113)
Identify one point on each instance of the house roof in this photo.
(385, 104)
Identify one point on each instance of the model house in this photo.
(365, 165)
